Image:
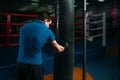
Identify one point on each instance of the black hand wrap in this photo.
(66, 46)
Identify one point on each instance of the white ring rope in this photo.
(96, 15)
(95, 22)
(95, 36)
(96, 28)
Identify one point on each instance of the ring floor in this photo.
(98, 65)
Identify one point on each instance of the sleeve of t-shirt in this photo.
(51, 36)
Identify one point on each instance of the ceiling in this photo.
(35, 6)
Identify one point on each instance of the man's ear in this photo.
(46, 20)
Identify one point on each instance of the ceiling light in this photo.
(87, 3)
(101, 0)
(35, 0)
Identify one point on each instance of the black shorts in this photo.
(29, 72)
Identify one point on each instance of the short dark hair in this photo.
(44, 16)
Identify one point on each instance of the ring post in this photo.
(85, 38)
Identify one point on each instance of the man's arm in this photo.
(58, 47)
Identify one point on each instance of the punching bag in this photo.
(64, 62)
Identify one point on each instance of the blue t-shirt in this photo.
(33, 36)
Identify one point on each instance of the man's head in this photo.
(46, 19)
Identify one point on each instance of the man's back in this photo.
(32, 38)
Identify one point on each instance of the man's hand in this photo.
(58, 47)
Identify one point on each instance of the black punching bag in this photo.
(64, 62)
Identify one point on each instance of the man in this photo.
(33, 36)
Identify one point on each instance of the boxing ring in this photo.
(101, 26)
(96, 35)
(9, 27)
(10, 24)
